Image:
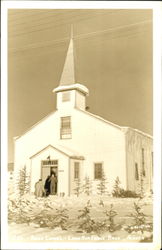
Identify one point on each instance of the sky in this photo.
(113, 59)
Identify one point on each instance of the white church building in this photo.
(75, 144)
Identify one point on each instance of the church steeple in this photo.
(68, 73)
(70, 94)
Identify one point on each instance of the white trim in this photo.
(76, 86)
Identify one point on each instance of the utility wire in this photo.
(29, 55)
(58, 25)
(35, 13)
(42, 18)
(59, 20)
(60, 12)
(53, 26)
(112, 29)
(87, 35)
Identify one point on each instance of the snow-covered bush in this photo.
(109, 223)
(87, 187)
(86, 224)
(96, 217)
(140, 224)
(122, 193)
(78, 187)
(23, 181)
(60, 218)
(19, 210)
(41, 211)
(52, 218)
(102, 186)
(89, 225)
(117, 189)
(128, 194)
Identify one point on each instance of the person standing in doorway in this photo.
(52, 184)
(56, 185)
(47, 185)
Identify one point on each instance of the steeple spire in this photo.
(70, 94)
(72, 31)
(68, 73)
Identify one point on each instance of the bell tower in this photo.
(70, 94)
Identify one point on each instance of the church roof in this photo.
(64, 150)
(122, 128)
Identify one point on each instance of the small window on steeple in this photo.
(66, 96)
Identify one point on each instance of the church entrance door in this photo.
(49, 167)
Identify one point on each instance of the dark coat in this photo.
(47, 185)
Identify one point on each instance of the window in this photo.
(66, 96)
(76, 170)
(98, 171)
(65, 127)
(143, 162)
(136, 172)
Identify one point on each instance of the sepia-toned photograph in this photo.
(80, 125)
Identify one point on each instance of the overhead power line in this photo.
(19, 17)
(112, 29)
(36, 20)
(82, 36)
(58, 46)
(61, 21)
(59, 12)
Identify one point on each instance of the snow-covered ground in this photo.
(123, 206)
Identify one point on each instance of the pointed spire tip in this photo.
(72, 35)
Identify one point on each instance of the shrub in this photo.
(109, 223)
(23, 182)
(102, 185)
(19, 211)
(60, 218)
(125, 194)
(78, 188)
(128, 194)
(87, 187)
(117, 190)
(139, 220)
(39, 211)
(122, 193)
(43, 218)
(52, 219)
(87, 224)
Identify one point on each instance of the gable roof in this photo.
(44, 118)
(100, 118)
(122, 128)
(63, 150)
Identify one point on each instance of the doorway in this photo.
(49, 167)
